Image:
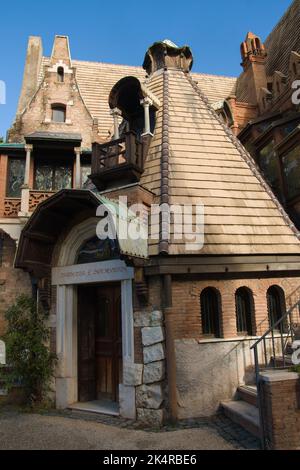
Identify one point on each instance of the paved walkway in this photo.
(76, 430)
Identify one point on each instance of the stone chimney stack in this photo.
(61, 51)
(31, 72)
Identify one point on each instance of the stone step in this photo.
(248, 393)
(244, 414)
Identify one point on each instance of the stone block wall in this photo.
(148, 376)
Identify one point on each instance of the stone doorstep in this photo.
(248, 393)
(244, 414)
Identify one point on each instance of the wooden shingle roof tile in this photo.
(242, 216)
(96, 79)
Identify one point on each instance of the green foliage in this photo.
(27, 337)
(295, 369)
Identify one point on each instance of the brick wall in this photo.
(38, 114)
(187, 311)
(13, 282)
(281, 410)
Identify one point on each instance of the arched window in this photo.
(60, 74)
(276, 305)
(244, 305)
(58, 113)
(95, 250)
(210, 301)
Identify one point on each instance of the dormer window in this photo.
(60, 74)
(58, 113)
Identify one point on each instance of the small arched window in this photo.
(244, 305)
(60, 74)
(210, 301)
(276, 305)
(58, 113)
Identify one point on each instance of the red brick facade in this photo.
(187, 310)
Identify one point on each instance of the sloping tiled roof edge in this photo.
(245, 155)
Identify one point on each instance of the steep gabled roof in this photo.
(208, 164)
(96, 79)
(284, 39)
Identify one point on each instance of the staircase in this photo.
(273, 351)
(244, 410)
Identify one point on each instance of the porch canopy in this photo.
(55, 218)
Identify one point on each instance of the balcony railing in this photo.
(121, 159)
(36, 197)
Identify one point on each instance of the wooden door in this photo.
(108, 334)
(86, 344)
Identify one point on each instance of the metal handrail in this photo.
(270, 335)
(272, 328)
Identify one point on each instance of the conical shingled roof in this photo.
(207, 163)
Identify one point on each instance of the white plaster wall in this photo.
(210, 372)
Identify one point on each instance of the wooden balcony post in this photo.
(130, 147)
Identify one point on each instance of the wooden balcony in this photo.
(118, 162)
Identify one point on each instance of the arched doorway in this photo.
(94, 303)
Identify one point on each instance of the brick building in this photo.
(158, 328)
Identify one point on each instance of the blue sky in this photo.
(120, 32)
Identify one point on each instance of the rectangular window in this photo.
(268, 162)
(53, 177)
(15, 177)
(291, 169)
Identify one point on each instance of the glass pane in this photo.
(291, 168)
(16, 172)
(59, 114)
(62, 178)
(97, 250)
(268, 162)
(43, 178)
(244, 312)
(85, 172)
(210, 313)
(289, 127)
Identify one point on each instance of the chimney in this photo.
(254, 64)
(61, 51)
(31, 72)
(166, 54)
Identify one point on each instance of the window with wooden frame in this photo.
(15, 177)
(59, 112)
(53, 176)
(269, 164)
(291, 171)
(244, 305)
(276, 306)
(210, 302)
